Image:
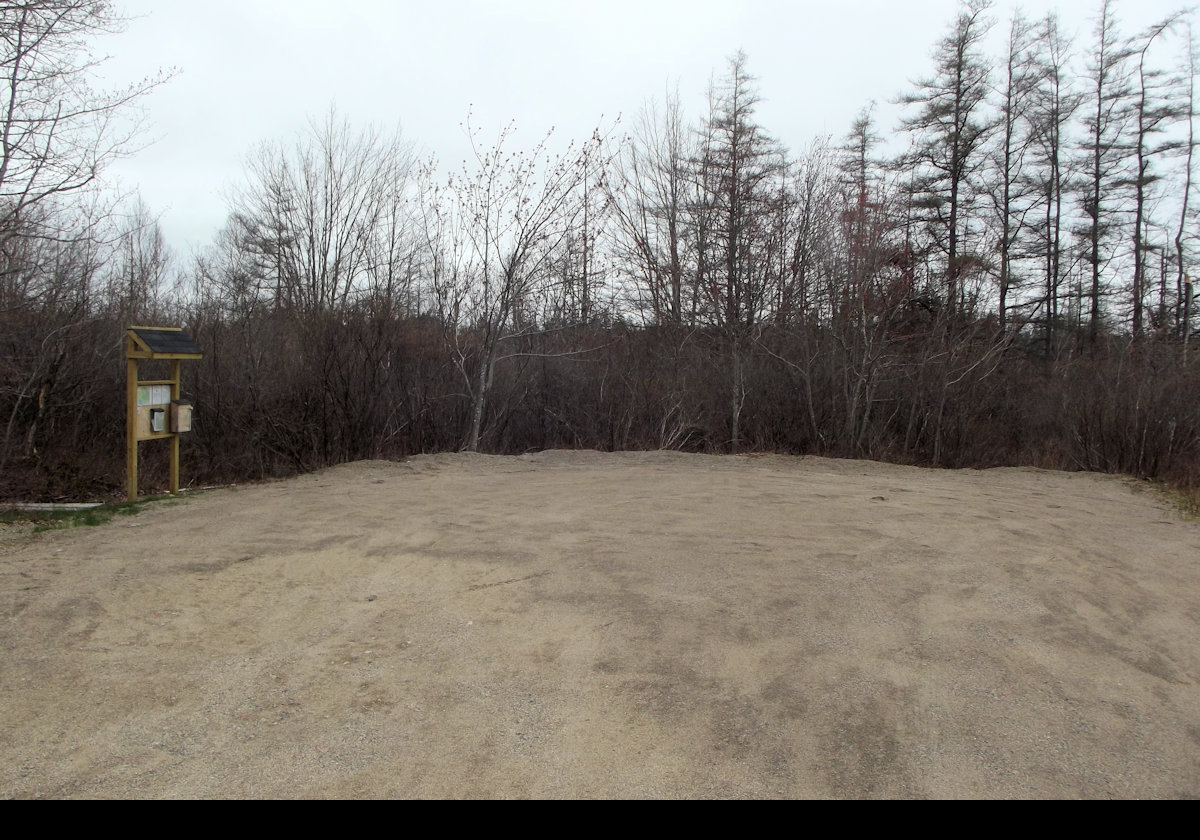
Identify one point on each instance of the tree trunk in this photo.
(479, 398)
(736, 391)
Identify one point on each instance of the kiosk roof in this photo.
(166, 343)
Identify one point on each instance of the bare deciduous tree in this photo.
(650, 202)
(56, 132)
(324, 216)
(492, 232)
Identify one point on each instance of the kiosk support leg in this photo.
(175, 437)
(131, 464)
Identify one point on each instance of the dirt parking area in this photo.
(577, 624)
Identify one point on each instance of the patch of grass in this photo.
(1185, 499)
(53, 520)
(37, 517)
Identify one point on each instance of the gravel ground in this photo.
(610, 625)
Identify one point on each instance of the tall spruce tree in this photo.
(738, 169)
(949, 129)
(1010, 190)
(1158, 107)
(1053, 107)
(1105, 152)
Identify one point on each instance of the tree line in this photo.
(1003, 279)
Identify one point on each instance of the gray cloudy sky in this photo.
(257, 70)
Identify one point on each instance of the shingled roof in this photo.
(162, 343)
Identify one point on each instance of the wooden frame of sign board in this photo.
(152, 406)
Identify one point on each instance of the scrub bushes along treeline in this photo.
(276, 395)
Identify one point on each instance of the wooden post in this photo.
(131, 441)
(174, 469)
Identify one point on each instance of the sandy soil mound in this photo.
(611, 625)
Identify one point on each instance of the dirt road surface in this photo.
(611, 625)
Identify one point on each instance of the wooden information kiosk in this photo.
(153, 408)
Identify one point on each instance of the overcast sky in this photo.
(257, 70)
